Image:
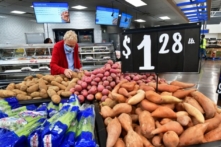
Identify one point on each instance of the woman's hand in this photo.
(68, 73)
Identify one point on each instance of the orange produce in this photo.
(182, 84)
(194, 103)
(164, 112)
(119, 143)
(164, 87)
(183, 93)
(213, 135)
(170, 139)
(147, 123)
(149, 106)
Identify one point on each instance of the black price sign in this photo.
(162, 49)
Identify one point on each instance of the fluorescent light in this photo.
(31, 6)
(164, 17)
(119, 15)
(17, 12)
(136, 3)
(2, 16)
(140, 20)
(79, 7)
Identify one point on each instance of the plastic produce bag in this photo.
(86, 125)
(70, 136)
(16, 111)
(18, 138)
(12, 123)
(34, 139)
(73, 100)
(52, 109)
(53, 135)
(8, 104)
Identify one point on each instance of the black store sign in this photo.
(162, 49)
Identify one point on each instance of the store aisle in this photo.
(206, 81)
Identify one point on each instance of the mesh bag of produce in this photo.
(86, 125)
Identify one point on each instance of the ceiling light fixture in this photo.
(136, 3)
(79, 7)
(164, 17)
(17, 12)
(31, 6)
(119, 15)
(140, 20)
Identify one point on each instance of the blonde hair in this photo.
(70, 35)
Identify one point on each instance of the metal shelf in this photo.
(88, 53)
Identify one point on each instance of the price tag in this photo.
(219, 88)
(162, 49)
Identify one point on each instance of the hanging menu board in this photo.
(161, 49)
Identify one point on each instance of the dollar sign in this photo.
(126, 40)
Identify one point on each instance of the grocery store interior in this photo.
(102, 27)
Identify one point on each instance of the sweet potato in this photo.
(132, 139)
(165, 120)
(134, 117)
(6, 93)
(11, 86)
(58, 84)
(32, 88)
(132, 93)
(123, 92)
(129, 86)
(138, 111)
(170, 126)
(193, 135)
(22, 97)
(35, 94)
(66, 94)
(147, 124)
(194, 103)
(56, 99)
(164, 112)
(137, 98)
(194, 112)
(183, 93)
(171, 105)
(106, 111)
(138, 130)
(179, 107)
(119, 143)
(113, 132)
(206, 103)
(184, 120)
(109, 102)
(182, 84)
(115, 95)
(122, 108)
(157, 126)
(145, 87)
(153, 97)
(213, 135)
(146, 143)
(170, 139)
(166, 93)
(125, 121)
(149, 106)
(107, 120)
(164, 87)
(213, 122)
(157, 141)
(170, 99)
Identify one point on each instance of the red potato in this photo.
(105, 92)
(84, 85)
(88, 80)
(127, 78)
(104, 78)
(115, 66)
(112, 84)
(81, 98)
(93, 83)
(106, 74)
(86, 73)
(100, 83)
(84, 93)
(97, 79)
(93, 76)
(78, 88)
(100, 75)
(109, 78)
(72, 90)
(79, 82)
(103, 98)
(100, 88)
(76, 92)
(90, 97)
(106, 83)
(108, 88)
(113, 75)
(110, 62)
(88, 87)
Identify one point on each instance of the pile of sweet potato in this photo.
(175, 115)
(42, 86)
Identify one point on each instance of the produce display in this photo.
(175, 115)
(72, 125)
(42, 86)
(98, 83)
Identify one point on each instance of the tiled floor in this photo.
(206, 81)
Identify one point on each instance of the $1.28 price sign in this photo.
(162, 49)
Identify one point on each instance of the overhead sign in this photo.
(161, 49)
